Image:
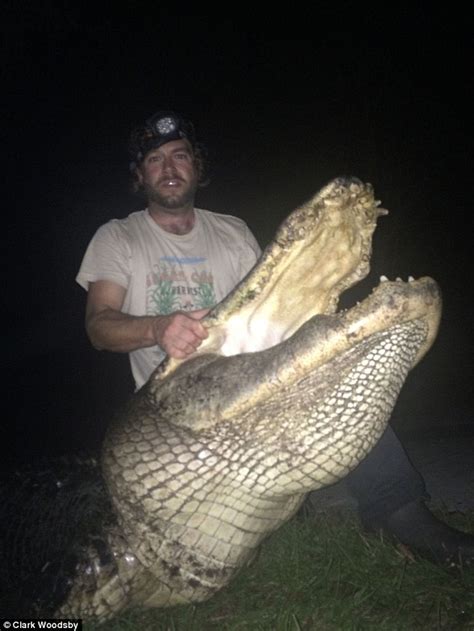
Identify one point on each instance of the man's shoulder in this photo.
(231, 230)
(137, 216)
(124, 225)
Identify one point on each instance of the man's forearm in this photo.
(119, 332)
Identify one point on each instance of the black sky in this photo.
(385, 99)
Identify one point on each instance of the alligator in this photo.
(285, 396)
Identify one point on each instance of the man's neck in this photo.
(176, 221)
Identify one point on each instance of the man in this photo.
(152, 276)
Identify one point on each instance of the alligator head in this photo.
(284, 396)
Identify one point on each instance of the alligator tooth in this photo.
(383, 279)
(410, 279)
(399, 280)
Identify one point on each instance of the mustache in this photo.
(170, 177)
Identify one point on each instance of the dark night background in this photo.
(385, 99)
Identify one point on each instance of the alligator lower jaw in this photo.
(225, 387)
(391, 303)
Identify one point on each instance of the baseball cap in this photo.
(162, 127)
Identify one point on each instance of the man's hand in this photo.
(179, 334)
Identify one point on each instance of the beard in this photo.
(172, 200)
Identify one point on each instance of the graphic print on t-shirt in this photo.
(179, 283)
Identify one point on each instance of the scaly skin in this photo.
(284, 396)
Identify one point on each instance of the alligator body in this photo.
(285, 396)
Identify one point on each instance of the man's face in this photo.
(168, 175)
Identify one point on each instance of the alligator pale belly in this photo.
(285, 396)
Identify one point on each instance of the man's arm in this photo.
(179, 334)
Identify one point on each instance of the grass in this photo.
(323, 573)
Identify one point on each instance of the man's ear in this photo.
(137, 180)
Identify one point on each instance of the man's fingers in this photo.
(198, 314)
(188, 323)
(180, 354)
(180, 334)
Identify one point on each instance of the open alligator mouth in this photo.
(319, 251)
(284, 396)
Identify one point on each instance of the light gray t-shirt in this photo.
(164, 272)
